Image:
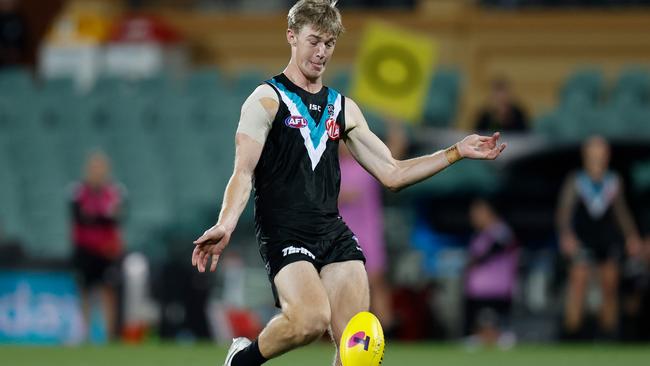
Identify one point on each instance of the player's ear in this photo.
(291, 37)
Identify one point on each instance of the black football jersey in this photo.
(297, 178)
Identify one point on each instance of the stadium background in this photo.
(158, 84)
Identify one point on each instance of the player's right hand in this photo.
(209, 246)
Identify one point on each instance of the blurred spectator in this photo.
(13, 34)
(592, 215)
(490, 277)
(361, 207)
(98, 246)
(502, 112)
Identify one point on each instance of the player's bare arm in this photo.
(395, 174)
(255, 122)
(569, 243)
(625, 220)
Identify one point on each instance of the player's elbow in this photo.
(392, 178)
(393, 187)
(392, 183)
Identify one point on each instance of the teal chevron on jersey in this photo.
(316, 130)
(314, 134)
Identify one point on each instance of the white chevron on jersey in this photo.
(314, 152)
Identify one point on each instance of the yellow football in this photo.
(362, 343)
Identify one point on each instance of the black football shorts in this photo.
(277, 254)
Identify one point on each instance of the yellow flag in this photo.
(393, 71)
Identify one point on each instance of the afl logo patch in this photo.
(295, 122)
(332, 129)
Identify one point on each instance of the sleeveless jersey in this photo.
(593, 219)
(297, 178)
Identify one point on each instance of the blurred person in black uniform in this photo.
(13, 34)
(596, 228)
(502, 112)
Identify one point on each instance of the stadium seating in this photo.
(17, 81)
(442, 98)
(10, 209)
(585, 82)
(632, 86)
(172, 144)
(245, 81)
(207, 82)
(60, 86)
(583, 110)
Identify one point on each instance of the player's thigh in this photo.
(302, 295)
(346, 284)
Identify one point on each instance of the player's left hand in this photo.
(481, 147)
(634, 246)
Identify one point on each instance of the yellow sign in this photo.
(393, 71)
(86, 22)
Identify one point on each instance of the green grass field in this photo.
(321, 355)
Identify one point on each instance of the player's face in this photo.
(596, 158)
(312, 49)
(97, 170)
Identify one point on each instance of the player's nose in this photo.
(320, 51)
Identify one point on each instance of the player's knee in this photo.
(306, 333)
(311, 326)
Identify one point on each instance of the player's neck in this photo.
(297, 77)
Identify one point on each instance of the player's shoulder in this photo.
(351, 105)
(266, 95)
(265, 90)
(353, 114)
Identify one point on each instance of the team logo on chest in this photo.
(295, 122)
(333, 130)
(332, 127)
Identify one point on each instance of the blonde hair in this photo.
(321, 14)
